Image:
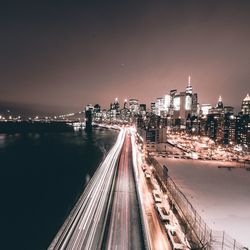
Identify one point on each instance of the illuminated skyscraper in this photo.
(219, 103)
(89, 109)
(245, 107)
(152, 107)
(159, 105)
(189, 89)
(142, 109)
(188, 99)
(205, 109)
(173, 92)
(167, 99)
(194, 104)
(183, 105)
(134, 106)
(125, 105)
(176, 103)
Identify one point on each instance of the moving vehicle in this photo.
(143, 167)
(148, 175)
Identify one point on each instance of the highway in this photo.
(84, 228)
(124, 229)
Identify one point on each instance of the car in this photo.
(163, 213)
(156, 196)
(147, 175)
(174, 238)
(143, 167)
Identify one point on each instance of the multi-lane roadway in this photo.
(84, 228)
(107, 214)
(124, 229)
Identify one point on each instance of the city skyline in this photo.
(68, 55)
(40, 109)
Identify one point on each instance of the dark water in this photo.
(41, 178)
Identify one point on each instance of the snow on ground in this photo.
(221, 196)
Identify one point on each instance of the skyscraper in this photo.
(159, 105)
(142, 108)
(167, 99)
(189, 89)
(219, 103)
(88, 116)
(194, 104)
(153, 108)
(245, 107)
(134, 106)
(125, 105)
(188, 99)
(173, 92)
(183, 98)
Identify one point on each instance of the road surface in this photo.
(84, 228)
(124, 231)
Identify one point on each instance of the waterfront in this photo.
(42, 176)
(221, 196)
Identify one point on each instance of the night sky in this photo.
(66, 55)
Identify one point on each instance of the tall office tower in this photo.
(153, 108)
(116, 105)
(142, 109)
(176, 106)
(242, 129)
(194, 104)
(205, 109)
(97, 113)
(245, 107)
(159, 105)
(188, 98)
(229, 129)
(88, 116)
(173, 93)
(219, 108)
(228, 109)
(125, 105)
(183, 109)
(134, 106)
(97, 108)
(219, 103)
(189, 89)
(167, 99)
(225, 123)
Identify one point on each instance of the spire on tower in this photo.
(220, 103)
(189, 89)
(247, 98)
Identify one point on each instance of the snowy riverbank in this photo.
(221, 196)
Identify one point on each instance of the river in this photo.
(42, 177)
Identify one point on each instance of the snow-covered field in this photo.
(221, 196)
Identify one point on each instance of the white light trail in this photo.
(84, 226)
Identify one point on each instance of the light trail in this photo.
(84, 228)
(124, 228)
